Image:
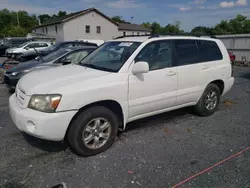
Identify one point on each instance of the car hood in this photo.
(45, 81)
(9, 50)
(24, 66)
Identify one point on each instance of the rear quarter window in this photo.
(209, 51)
(188, 51)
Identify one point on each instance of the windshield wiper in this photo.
(39, 55)
(97, 67)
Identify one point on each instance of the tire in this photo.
(85, 123)
(202, 108)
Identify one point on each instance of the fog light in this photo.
(31, 127)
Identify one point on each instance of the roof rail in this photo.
(156, 35)
(147, 35)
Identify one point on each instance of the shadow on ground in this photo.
(246, 76)
(45, 145)
(158, 120)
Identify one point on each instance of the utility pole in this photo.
(18, 24)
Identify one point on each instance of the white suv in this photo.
(123, 80)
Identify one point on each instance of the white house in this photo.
(132, 29)
(87, 24)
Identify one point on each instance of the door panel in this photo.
(198, 63)
(155, 90)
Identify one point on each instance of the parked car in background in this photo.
(7, 43)
(28, 48)
(87, 103)
(62, 56)
(232, 57)
(4, 67)
(98, 42)
(67, 44)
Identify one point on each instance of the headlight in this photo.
(14, 73)
(21, 72)
(45, 103)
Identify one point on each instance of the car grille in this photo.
(21, 97)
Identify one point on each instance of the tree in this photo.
(238, 25)
(9, 23)
(62, 13)
(14, 31)
(146, 25)
(118, 19)
(173, 28)
(44, 17)
(156, 28)
(202, 30)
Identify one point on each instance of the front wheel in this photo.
(209, 101)
(93, 131)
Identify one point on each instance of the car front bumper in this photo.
(48, 126)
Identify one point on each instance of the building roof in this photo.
(132, 27)
(72, 16)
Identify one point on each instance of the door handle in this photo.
(171, 73)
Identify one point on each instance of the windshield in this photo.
(56, 54)
(6, 42)
(52, 47)
(22, 45)
(110, 56)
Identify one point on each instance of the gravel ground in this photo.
(160, 151)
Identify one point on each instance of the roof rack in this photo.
(159, 35)
(147, 35)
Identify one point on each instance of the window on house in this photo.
(87, 29)
(98, 29)
(43, 30)
(56, 28)
(124, 33)
(133, 33)
(46, 30)
(138, 33)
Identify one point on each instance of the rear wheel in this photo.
(93, 131)
(209, 101)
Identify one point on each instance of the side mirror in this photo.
(26, 48)
(140, 67)
(66, 62)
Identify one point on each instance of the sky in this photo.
(190, 13)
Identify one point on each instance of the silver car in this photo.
(27, 48)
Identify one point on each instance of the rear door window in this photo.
(187, 52)
(33, 45)
(42, 45)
